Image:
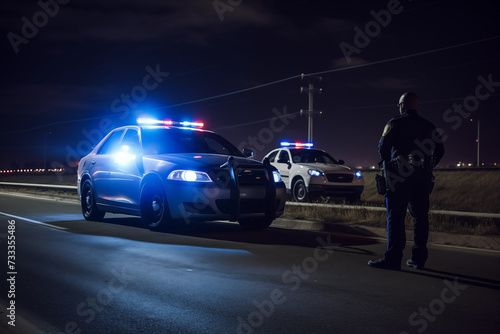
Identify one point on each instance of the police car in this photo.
(171, 173)
(309, 173)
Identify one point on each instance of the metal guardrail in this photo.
(332, 206)
(39, 185)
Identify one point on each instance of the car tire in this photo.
(299, 191)
(89, 207)
(154, 207)
(255, 224)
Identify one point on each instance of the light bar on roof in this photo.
(151, 121)
(296, 145)
(192, 124)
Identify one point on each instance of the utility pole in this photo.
(478, 162)
(310, 112)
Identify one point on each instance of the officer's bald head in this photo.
(408, 101)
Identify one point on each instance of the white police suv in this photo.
(170, 173)
(309, 173)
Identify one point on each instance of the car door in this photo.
(100, 165)
(282, 163)
(125, 176)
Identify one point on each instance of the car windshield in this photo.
(172, 140)
(312, 156)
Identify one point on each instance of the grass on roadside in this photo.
(438, 223)
(455, 190)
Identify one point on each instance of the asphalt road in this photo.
(117, 277)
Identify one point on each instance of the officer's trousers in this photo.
(410, 193)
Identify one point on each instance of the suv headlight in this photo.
(358, 174)
(189, 175)
(315, 172)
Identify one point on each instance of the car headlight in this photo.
(276, 176)
(315, 172)
(358, 174)
(189, 175)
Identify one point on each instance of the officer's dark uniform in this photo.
(410, 147)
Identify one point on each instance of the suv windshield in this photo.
(311, 156)
(171, 140)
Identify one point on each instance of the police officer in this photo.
(409, 148)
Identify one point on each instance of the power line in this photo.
(255, 122)
(345, 109)
(330, 71)
(275, 82)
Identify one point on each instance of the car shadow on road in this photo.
(274, 235)
(131, 228)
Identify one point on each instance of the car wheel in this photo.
(299, 191)
(255, 224)
(154, 211)
(89, 208)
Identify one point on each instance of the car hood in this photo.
(327, 167)
(202, 162)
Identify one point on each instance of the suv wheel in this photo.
(299, 191)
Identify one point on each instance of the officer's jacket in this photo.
(411, 135)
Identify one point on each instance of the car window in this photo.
(283, 157)
(312, 156)
(216, 146)
(165, 141)
(297, 158)
(111, 144)
(131, 141)
(272, 156)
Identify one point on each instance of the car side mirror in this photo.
(341, 162)
(248, 152)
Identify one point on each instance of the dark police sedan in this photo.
(170, 174)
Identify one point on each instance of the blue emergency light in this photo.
(296, 145)
(151, 121)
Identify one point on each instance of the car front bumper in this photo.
(211, 202)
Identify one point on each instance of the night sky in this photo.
(74, 70)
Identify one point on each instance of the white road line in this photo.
(32, 221)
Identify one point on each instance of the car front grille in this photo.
(252, 176)
(339, 178)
